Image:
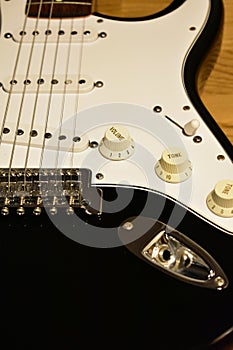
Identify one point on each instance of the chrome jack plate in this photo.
(174, 253)
(168, 252)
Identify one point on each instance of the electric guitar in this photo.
(116, 186)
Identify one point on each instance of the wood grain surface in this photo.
(217, 94)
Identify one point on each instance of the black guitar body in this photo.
(83, 279)
(56, 292)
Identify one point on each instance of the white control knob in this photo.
(117, 143)
(191, 127)
(174, 165)
(220, 200)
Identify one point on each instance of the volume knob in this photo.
(116, 143)
(220, 200)
(173, 165)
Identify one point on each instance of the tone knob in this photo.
(220, 200)
(116, 143)
(173, 165)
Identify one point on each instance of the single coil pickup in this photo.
(50, 35)
(60, 84)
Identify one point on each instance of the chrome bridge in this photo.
(22, 189)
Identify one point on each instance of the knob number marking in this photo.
(116, 143)
(173, 166)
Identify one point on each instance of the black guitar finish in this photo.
(57, 293)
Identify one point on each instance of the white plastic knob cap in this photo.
(191, 127)
(173, 165)
(220, 200)
(116, 143)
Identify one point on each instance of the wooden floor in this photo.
(217, 94)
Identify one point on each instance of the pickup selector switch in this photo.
(220, 200)
(191, 127)
(117, 143)
(174, 165)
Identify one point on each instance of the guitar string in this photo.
(24, 92)
(76, 107)
(14, 73)
(64, 94)
(50, 94)
(66, 83)
(58, 183)
(61, 120)
(40, 79)
(63, 99)
(37, 93)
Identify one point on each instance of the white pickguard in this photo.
(141, 65)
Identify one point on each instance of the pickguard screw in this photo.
(102, 35)
(94, 144)
(99, 176)
(220, 157)
(157, 109)
(219, 281)
(8, 35)
(197, 139)
(128, 226)
(99, 84)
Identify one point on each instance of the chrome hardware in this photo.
(178, 258)
(20, 211)
(128, 226)
(79, 34)
(72, 84)
(37, 211)
(70, 211)
(50, 188)
(53, 211)
(5, 211)
(171, 252)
